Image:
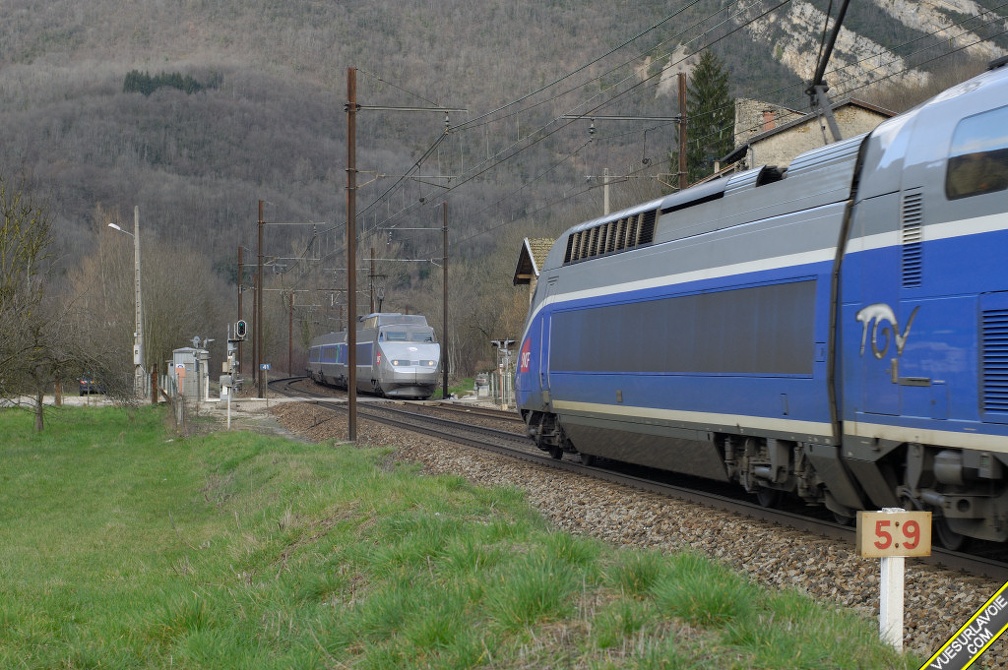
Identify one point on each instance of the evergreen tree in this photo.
(143, 82)
(710, 117)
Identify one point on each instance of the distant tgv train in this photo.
(397, 357)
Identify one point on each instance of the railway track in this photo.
(476, 410)
(454, 423)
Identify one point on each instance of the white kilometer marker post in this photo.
(891, 583)
(892, 535)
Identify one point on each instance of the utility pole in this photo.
(257, 323)
(259, 363)
(371, 285)
(444, 299)
(241, 279)
(351, 231)
(140, 378)
(683, 181)
(290, 335)
(260, 377)
(351, 108)
(605, 191)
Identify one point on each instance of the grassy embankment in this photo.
(124, 547)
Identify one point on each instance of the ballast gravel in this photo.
(937, 601)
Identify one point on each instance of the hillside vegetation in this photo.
(267, 122)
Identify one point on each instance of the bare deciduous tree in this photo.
(34, 348)
(182, 298)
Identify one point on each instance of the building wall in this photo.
(781, 148)
(755, 117)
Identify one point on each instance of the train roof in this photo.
(393, 319)
(902, 147)
(816, 177)
(371, 321)
(819, 177)
(328, 338)
(691, 196)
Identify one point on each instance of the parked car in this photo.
(88, 385)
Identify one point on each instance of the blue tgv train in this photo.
(397, 357)
(837, 330)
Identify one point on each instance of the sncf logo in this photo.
(526, 356)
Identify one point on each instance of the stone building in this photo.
(771, 135)
(530, 260)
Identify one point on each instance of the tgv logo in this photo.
(886, 326)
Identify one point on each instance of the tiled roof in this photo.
(531, 258)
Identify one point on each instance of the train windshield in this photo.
(413, 335)
(978, 159)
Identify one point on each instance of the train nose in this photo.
(414, 371)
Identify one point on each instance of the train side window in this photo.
(978, 158)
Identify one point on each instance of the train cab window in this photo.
(978, 158)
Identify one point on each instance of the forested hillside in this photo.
(194, 110)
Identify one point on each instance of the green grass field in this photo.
(124, 546)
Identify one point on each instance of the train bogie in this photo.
(835, 330)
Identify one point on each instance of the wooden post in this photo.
(351, 233)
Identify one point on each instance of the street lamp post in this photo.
(139, 377)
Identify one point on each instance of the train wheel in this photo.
(556, 453)
(947, 537)
(767, 497)
(586, 459)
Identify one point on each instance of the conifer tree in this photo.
(710, 117)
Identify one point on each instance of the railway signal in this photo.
(239, 334)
